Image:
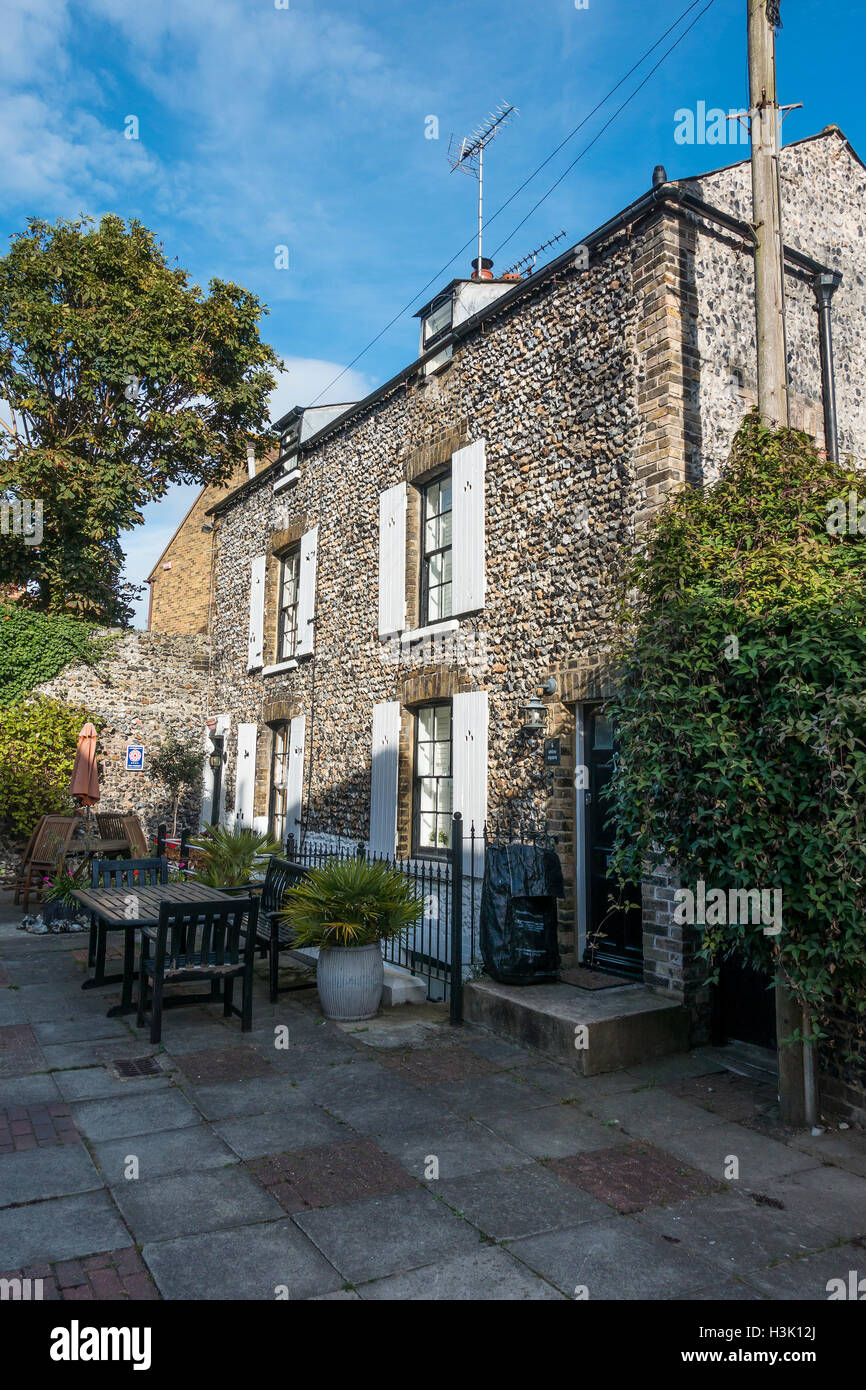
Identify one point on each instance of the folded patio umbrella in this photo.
(85, 777)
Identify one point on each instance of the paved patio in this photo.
(402, 1159)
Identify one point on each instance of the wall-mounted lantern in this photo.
(533, 715)
(215, 760)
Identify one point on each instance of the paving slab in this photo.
(490, 1275)
(760, 1158)
(632, 1175)
(133, 1114)
(483, 1096)
(182, 1204)
(562, 1082)
(168, 1151)
(808, 1278)
(554, 1132)
(37, 1174)
(94, 1083)
(385, 1119)
(63, 1228)
(843, 1148)
(518, 1202)
(651, 1112)
(37, 1088)
(458, 1146)
(254, 1136)
(387, 1235)
(258, 1096)
(351, 1087)
(730, 1230)
(331, 1174)
(731, 1291)
(832, 1198)
(248, 1262)
(615, 1259)
(81, 1030)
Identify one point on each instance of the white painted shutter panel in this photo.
(256, 642)
(295, 777)
(307, 592)
(469, 746)
(467, 521)
(383, 783)
(245, 776)
(392, 560)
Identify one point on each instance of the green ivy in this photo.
(36, 646)
(38, 739)
(741, 709)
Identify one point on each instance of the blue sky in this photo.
(304, 127)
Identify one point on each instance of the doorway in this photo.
(613, 937)
(744, 1005)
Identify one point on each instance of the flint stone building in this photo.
(389, 591)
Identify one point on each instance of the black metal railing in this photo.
(443, 946)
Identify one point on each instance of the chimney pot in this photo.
(660, 175)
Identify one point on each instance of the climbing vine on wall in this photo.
(35, 647)
(741, 709)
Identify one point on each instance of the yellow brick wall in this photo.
(180, 581)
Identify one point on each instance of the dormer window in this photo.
(439, 318)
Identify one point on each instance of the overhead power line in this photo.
(436, 278)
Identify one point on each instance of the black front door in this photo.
(744, 1005)
(614, 938)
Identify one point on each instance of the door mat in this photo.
(582, 978)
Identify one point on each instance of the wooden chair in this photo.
(110, 825)
(198, 941)
(117, 873)
(273, 934)
(25, 858)
(45, 854)
(133, 833)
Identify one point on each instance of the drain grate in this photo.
(138, 1066)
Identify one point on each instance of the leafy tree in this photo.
(741, 708)
(177, 764)
(38, 739)
(118, 377)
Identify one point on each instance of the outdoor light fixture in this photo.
(534, 713)
(215, 760)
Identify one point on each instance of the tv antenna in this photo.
(533, 255)
(468, 154)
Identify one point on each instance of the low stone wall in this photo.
(149, 685)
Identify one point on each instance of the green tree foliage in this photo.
(741, 712)
(35, 647)
(177, 764)
(38, 739)
(118, 377)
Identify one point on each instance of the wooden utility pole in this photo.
(797, 1089)
(767, 214)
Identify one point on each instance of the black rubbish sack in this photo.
(518, 929)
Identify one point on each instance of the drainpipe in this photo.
(825, 284)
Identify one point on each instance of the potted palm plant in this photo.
(229, 858)
(346, 909)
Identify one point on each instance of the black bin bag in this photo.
(518, 934)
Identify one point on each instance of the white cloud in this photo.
(303, 379)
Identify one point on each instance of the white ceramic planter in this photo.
(350, 980)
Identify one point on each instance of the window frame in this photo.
(436, 851)
(292, 555)
(446, 298)
(425, 617)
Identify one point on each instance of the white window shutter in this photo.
(469, 717)
(392, 560)
(256, 643)
(307, 592)
(383, 782)
(295, 777)
(467, 522)
(245, 776)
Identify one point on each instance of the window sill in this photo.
(434, 630)
(286, 479)
(280, 666)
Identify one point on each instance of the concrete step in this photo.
(591, 1031)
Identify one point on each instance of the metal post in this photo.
(456, 918)
(825, 285)
(767, 217)
(183, 852)
(160, 840)
(290, 846)
(361, 850)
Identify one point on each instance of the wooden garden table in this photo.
(132, 909)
